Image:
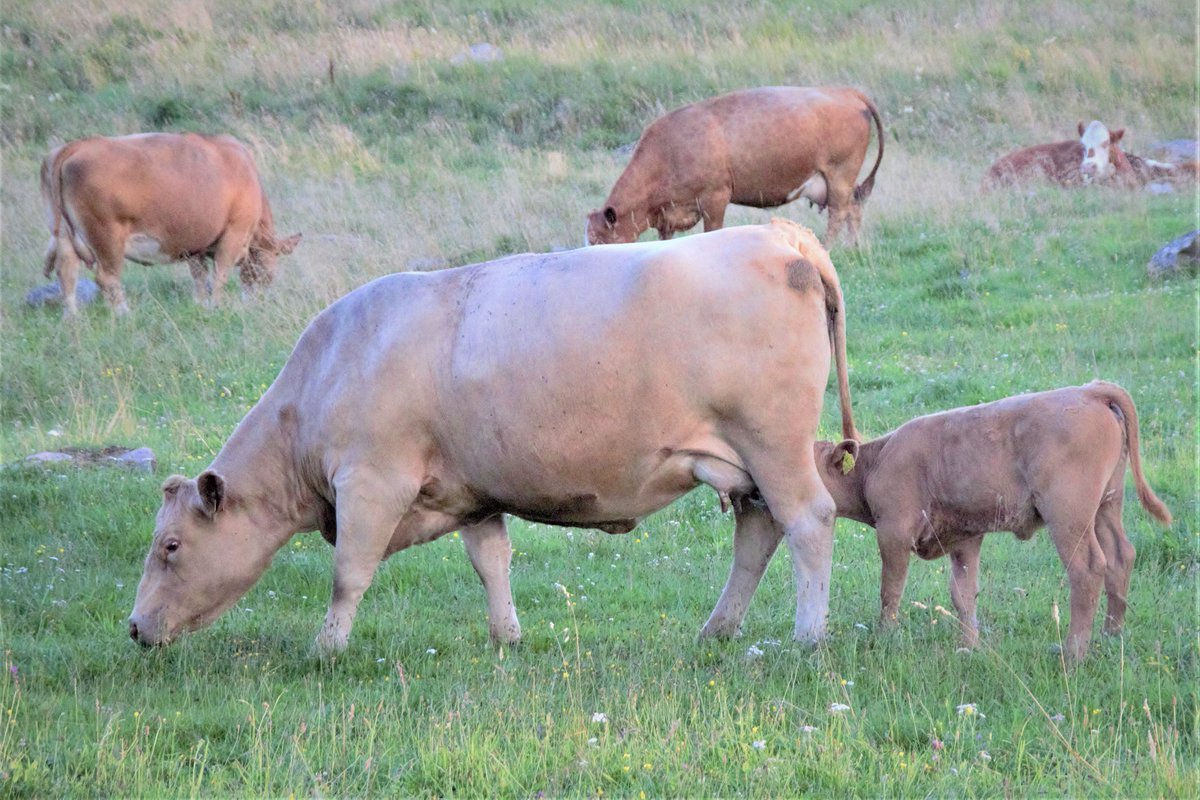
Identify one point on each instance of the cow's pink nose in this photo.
(133, 631)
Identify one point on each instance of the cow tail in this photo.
(835, 309)
(1120, 402)
(52, 199)
(863, 190)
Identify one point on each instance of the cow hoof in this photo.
(330, 644)
(720, 630)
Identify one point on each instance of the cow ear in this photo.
(286, 246)
(211, 487)
(1116, 135)
(610, 215)
(171, 485)
(843, 456)
(1080, 127)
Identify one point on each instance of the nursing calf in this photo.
(936, 484)
(584, 388)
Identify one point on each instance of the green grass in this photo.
(405, 158)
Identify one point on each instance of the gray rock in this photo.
(480, 53)
(1176, 151)
(1179, 254)
(50, 294)
(47, 456)
(141, 460)
(1160, 187)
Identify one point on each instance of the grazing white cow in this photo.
(588, 388)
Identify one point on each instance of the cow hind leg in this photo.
(490, 551)
(843, 214)
(231, 249)
(368, 511)
(756, 536)
(1119, 555)
(62, 258)
(109, 263)
(713, 209)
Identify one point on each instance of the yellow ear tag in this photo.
(847, 463)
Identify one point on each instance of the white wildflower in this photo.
(759, 744)
(838, 708)
(599, 717)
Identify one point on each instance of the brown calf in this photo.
(936, 484)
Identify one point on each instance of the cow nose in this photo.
(133, 631)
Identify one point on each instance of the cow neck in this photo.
(259, 467)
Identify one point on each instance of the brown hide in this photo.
(586, 388)
(936, 484)
(757, 147)
(157, 198)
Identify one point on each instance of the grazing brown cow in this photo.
(587, 388)
(155, 198)
(757, 147)
(1095, 157)
(936, 484)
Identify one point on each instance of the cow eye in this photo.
(172, 545)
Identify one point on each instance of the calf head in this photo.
(204, 556)
(1102, 156)
(836, 466)
(606, 226)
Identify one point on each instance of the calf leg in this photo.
(755, 538)
(713, 208)
(841, 208)
(964, 587)
(1118, 555)
(895, 548)
(1084, 559)
(109, 262)
(490, 552)
(368, 512)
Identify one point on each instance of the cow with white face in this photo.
(1102, 156)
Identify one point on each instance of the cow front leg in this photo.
(809, 536)
(367, 515)
(964, 587)
(201, 287)
(490, 551)
(756, 536)
(233, 247)
(712, 208)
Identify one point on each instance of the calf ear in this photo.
(211, 487)
(1115, 136)
(1080, 127)
(610, 215)
(171, 485)
(843, 456)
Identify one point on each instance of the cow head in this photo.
(1102, 155)
(260, 265)
(606, 226)
(207, 551)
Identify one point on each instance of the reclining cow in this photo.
(156, 198)
(758, 147)
(585, 388)
(1095, 157)
(936, 484)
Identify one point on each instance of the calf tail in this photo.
(1120, 401)
(863, 190)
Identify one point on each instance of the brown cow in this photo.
(155, 198)
(1094, 157)
(758, 147)
(936, 484)
(589, 388)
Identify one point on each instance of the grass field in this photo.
(389, 156)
